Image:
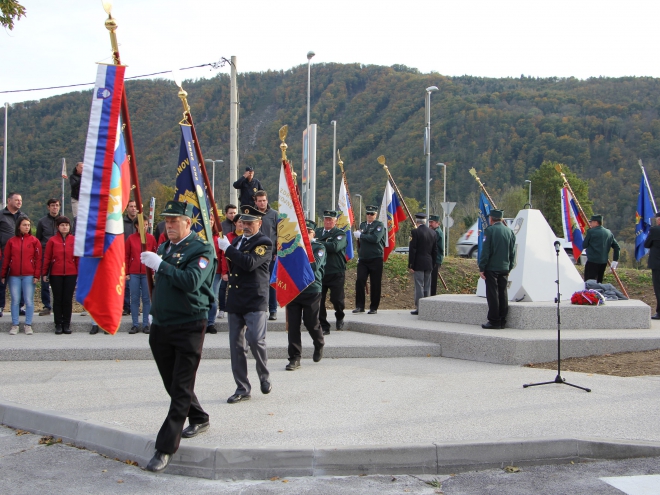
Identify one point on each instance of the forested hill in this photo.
(505, 128)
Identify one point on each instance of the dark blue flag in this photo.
(644, 219)
(484, 211)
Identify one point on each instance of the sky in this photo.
(58, 42)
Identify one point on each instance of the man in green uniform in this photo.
(598, 243)
(305, 308)
(434, 223)
(497, 259)
(184, 268)
(371, 242)
(334, 276)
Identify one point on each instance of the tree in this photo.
(548, 184)
(11, 11)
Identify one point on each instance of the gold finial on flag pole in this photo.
(283, 132)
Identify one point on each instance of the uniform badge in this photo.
(203, 262)
(339, 238)
(320, 253)
(260, 250)
(379, 229)
(247, 210)
(255, 189)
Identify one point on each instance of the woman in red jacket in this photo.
(137, 277)
(22, 265)
(61, 269)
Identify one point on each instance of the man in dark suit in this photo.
(422, 252)
(652, 242)
(248, 258)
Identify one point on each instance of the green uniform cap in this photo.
(310, 225)
(249, 213)
(496, 214)
(330, 214)
(434, 218)
(372, 209)
(177, 209)
(597, 218)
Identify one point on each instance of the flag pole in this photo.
(381, 160)
(343, 175)
(473, 173)
(111, 26)
(648, 186)
(586, 221)
(63, 177)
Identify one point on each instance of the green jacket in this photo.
(372, 240)
(441, 246)
(335, 246)
(318, 267)
(498, 252)
(598, 242)
(182, 289)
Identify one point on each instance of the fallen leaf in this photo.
(49, 440)
(271, 414)
(512, 469)
(275, 478)
(280, 431)
(104, 471)
(131, 463)
(285, 481)
(21, 432)
(120, 481)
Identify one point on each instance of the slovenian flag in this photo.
(391, 214)
(293, 271)
(644, 219)
(484, 212)
(346, 219)
(572, 223)
(104, 193)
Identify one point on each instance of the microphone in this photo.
(557, 246)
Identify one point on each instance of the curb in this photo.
(264, 463)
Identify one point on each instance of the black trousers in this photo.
(303, 309)
(335, 283)
(497, 297)
(594, 271)
(655, 274)
(63, 287)
(177, 350)
(373, 269)
(434, 279)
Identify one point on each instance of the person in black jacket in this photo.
(47, 228)
(8, 216)
(248, 258)
(652, 242)
(248, 186)
(228, 224)
(74, 182)
(423, 249)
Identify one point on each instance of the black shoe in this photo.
(211, 329)
(503, 324)
(146, 329)
(266, 387)
(44, 312)
(66, 330)
(340, 325)
(490, 326)
(194, 430)
(159, 461)
(94, 330)
(133, 330)
(21, 311)
(58, 329)
(326, 332)
(358, 310)
(318, 354)
(126, 312)
(654, 317)
(293, 365)
(1, 312)
(238, 398)
(372, 312)
(273, 316)
(414, 312)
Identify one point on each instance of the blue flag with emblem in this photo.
(190, 185)
(484, 211)
(644, 219)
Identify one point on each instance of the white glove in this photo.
(152, 260)
(357, 234)
(151, 320)
(614, 264)
(223, 243)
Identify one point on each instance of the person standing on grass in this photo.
(652, 243)
(21, 268)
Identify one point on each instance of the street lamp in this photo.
(307, 207)
(444, 200)
(213, 162)
(429, 90)
(334, 159)
(529, 200)
(359, 209)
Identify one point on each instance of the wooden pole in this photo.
(473, 173)
(381, 160)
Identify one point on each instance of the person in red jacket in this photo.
(21, 264)
(137, 277)
(61, 270)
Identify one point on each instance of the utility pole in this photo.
(233, 135)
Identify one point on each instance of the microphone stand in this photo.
(558, 378)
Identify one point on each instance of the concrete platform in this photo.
(472, 310)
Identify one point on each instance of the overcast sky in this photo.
(58, 42)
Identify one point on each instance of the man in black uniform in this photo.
(184, 267)
(434, 224)
(498, 257)
(305, 308)
(248, 186)
(371, 242)
(248, 258)
(652, 242)
(334, 240)
(597, 243)
(422, 252)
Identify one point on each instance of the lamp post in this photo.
(213, 162)
(429, 90)
(444, 200)
(334, 159)
(529, 200)
(359, 209)
(307, 207)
